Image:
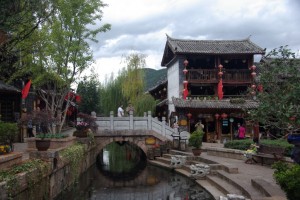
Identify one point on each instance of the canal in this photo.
(121, 172)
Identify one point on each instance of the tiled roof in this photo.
(7, 88)
(214, 46)
(213, 104)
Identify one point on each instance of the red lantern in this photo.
(189, 115)
(185, 71)
(253, 67)
(253, 74)
(220, 74)
(224, 115)
(217, 116)
(185, 62)
(185, 83)
(220, 66)
(292, 118)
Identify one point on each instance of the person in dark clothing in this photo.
(29, 129)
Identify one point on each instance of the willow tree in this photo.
(133, 82)
(62, 52)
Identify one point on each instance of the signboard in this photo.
(225, 122)
(150, 140)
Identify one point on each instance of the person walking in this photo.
(129, 108)
(120, 111)
(242, 131)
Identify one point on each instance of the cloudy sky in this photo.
(140, 26)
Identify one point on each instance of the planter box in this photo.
(10, 159)
(54, 143)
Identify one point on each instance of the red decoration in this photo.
(220, 89)
(185, 71)
(220, 66)
(220, 74)
(185, 83)
(26, 89)
(292, 118)
(185, 62)
(185, 93)
(224, 115)
(217, 116)
(253, 86)
(253, 67)
(253, 74)
(260, 88)
(189, 115)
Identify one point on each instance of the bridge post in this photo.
(149, 121)
(163, 131)
(111, 115)
(131, 120)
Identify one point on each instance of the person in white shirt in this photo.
(120, 111)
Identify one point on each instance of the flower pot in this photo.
(196, 152)
(42, 144)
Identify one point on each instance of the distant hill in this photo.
(154, 77)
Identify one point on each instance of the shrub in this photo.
(8, 132)
(196, 138)
(288, 177)
(245, 144)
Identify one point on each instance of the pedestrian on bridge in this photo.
(120, 111)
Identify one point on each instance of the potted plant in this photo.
(45, 124)
(85, 126)
(195, 141)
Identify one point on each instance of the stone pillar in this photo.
(131, 120)
(111, 120)
(149, 121)
(163, 127)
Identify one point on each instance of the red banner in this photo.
(220, 89)
(26, 89)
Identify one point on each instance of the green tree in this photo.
(280, 99)
(62, 51)
(18, 21)
(133, 81)
(89, 91)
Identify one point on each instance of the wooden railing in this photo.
(211, 76)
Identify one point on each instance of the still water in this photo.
(121, 172)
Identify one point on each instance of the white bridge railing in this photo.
(135, 123)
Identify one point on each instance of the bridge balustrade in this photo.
(147, 122)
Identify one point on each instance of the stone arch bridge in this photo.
(144, 131)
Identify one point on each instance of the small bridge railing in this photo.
(147, 122)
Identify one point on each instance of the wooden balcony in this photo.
(234, 76)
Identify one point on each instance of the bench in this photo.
(269, 152)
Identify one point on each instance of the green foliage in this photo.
(8, 132)
(144, 103)
(74, 155)
(288, 177)
(196, 138)
(89, 91)
(238, 144)
(279, 101)
(49, 135)
(38, 167)
(245, 144)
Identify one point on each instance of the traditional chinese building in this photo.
(212, 81)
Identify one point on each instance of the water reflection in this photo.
(132, 179)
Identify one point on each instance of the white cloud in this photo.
(141, 26)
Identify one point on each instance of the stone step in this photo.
(223, 185)
(210, 188)
(266, 188)
(241, 183)
(164, 160)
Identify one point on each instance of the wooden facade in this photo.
(203, 75)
